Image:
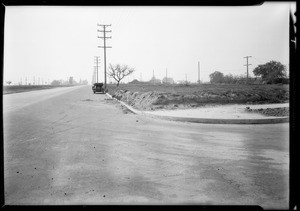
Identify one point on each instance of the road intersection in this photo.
(76, 147)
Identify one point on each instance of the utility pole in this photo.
(104, 46)
(94, 78)
(97, 61)
(166, 75)
(25, 80)
(153, 78)
(198, 72)
(247, 66)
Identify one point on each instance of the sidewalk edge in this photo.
(207, 120)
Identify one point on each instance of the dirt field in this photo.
(153, 97)
(25, 88)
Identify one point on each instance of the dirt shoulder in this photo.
(156, 97)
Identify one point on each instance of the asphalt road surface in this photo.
(70, 146)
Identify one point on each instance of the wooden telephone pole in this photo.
(247, 66)
(166, 75)
(104, 46)
(198, 72)
(97, 61)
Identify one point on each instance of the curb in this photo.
(207, 120)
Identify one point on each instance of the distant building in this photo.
(155, 81)
(181, 82)
(168, 80)
(135, 81)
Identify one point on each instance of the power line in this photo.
(104, 46)
(247, 57)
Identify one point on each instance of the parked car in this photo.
(98, 87)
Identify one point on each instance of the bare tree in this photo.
(8, 82)
(118, 72)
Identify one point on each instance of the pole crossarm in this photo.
(104, 47)
(105, 37)
(103, 31)
(104, 25)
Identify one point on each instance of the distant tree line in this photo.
(71, 81)
(270, 73)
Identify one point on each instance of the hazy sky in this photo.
(50, 42)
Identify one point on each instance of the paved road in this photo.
(76, 147)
